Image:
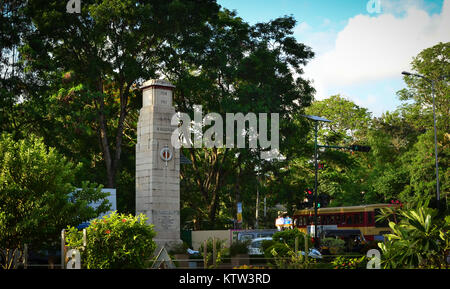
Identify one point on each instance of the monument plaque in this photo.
(158, 163)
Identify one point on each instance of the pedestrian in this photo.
(279, 222)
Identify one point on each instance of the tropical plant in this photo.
(220, 251)
(289, 258)
(342, 262)
(418, 240)
(117, 241)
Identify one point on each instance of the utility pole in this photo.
(316, 119)
(257, 204)
(433, 85)
(315, 179)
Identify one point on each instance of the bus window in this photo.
(356, 218)
(361, 218)
(332, 220)
(349, 219)
(369, 218)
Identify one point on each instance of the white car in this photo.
(255, 246)
(313, 253)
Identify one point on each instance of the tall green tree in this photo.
(243, 69)
(38, 196)
(343, 174)
(13, 26)
(434, 64)
(93, 61)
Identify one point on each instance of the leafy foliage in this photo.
(419, 240)
(221, 251)
(283, 243)
(239, 247)
(73, 80)
(335, 245)
(342, 262)
(286, 258)
(37, 194)
(117, 241)
(289, 236)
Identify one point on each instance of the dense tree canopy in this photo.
(73, 80)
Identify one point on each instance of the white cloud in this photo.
(378, 46)
(302, 28)
(320, 41)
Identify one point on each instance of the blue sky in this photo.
(360, 53)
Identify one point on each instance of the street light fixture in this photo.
(316, 119)
(432, 81)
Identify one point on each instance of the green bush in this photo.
(283, 242)
(239, 247)
(221, 251)
(117, 241)
(337, 244)
(342, 262)
(419, 240)
(266, 244)
(281, 248)
(209, 245)
(288, 237)
(283, 257)
(38, 196)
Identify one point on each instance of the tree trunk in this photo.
(12, 258)
(104, 136)
(112, 163)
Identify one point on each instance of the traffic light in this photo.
(323, 200)
(360, 148)
(310, 197)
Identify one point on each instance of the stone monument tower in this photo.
(158, 163)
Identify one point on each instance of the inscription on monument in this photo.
(163, 97)
(166, 218)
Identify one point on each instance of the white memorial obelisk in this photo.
(158, 163)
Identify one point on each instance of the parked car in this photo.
(253, 234)
(255, 246)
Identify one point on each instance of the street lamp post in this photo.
(432, 81)
(316, 119)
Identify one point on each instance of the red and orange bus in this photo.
(350, 218)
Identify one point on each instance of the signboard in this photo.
(239, 212)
